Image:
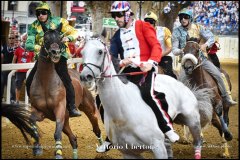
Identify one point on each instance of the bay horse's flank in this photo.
(197, 76)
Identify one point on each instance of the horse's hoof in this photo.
(197, 156)
(104, 147)
(228, 136)
(37, 151)
(225, 155)
(203, 141)
(75, 154)
(58, 157)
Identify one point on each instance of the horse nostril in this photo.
(86, 78)
(82, 78)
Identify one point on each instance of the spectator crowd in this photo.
(222, 17)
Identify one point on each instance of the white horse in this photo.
(129, 122)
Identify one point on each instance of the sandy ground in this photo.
(13, 145)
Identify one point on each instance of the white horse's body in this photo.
(178, 97)
(128, 120)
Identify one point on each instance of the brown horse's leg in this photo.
(60, 118)
(225, 114)
(89, 108)
(218, 107)
(36, 116)
(216, 123)
(72, 138)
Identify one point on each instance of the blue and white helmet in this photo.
(119, 6)
(122, 6)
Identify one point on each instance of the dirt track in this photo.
(13, 145)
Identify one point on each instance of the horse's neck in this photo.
(109, 81)
(115, 94)
(197, 76)
(45, 68)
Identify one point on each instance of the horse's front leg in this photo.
(219, 111)
(36, 116)
(72, 138)
(60, 118)
(89, 108)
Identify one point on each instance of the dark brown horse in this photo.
(197, 76)
(48, 94)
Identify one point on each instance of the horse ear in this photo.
(59, 27)
(104, 32)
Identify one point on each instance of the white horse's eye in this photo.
(100, 52)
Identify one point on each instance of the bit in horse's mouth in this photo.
(56, 58)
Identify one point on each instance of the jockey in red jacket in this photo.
(135, 42)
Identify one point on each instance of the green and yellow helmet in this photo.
(43, 6)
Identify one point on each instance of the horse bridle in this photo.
(54, 45)
(101, 67)
(197, 59)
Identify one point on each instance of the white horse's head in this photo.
(96, 60)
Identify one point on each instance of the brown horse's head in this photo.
(190, 58)
(52, 44)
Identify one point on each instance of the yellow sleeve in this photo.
(168, 36)
(69, 31)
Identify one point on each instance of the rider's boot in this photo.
(171, 134)
(61, 68)
(228, 98)
(73, 111)
(228, 101)
(223, 89)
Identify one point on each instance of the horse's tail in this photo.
(204, 97)
(20, 117)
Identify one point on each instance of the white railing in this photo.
(229, 48)
(14, 67)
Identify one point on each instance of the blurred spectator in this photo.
(80, 45)
(210, 13)
(7, 54)
(21, 56)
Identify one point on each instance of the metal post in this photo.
(13, 15)
(140, 8)
(3, 8)
(13, 3)
(61, 8)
